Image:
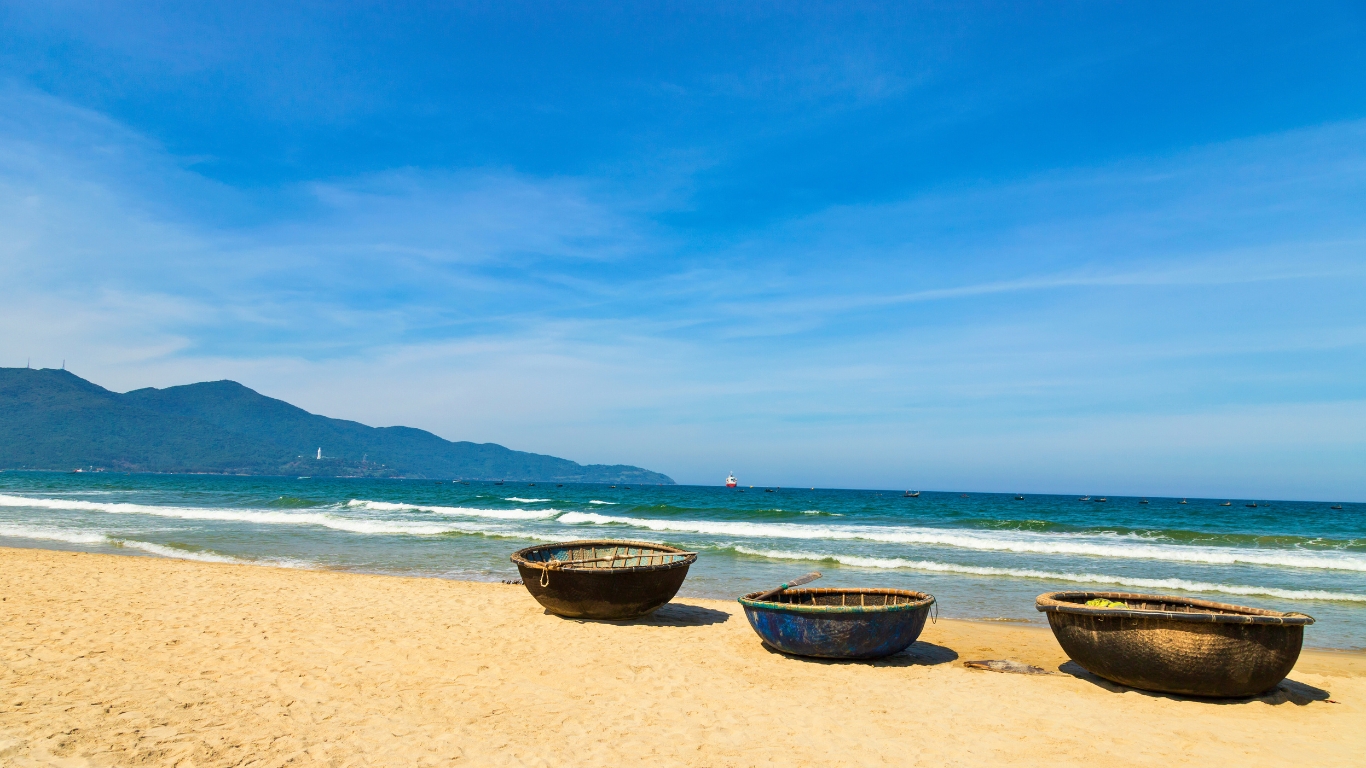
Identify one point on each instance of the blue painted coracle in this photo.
(834, 623)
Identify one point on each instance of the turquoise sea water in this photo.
(981, 555)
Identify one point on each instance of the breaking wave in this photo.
(1110, 546)
(493, 514)
(1183, 585)
(259, 517)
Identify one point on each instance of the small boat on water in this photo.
(1252, 505)
(1084, 498)
(908, 494)
(1143, 501)
(1019, 498)
(1183, 501)
(1176, 644)
(838, 623)
(1227, 504)
(1336, 506)
(602, 579)
(1101, 500)
(731, 482)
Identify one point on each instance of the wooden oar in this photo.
(797, 582)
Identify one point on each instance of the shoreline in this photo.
(1029, 623)
(117, 660)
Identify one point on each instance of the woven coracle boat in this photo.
(834, 623)
(603, 579)
(1176, 644)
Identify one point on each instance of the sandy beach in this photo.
(108, 660)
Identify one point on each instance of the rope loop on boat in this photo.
(546, 567)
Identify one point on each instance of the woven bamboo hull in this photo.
(1171, 655)
(588, 595)
(601, 593)
(836, 632)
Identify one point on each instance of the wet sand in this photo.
(108, 660)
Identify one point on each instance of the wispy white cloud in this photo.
(963, 333)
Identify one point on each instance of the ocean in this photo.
(983, 555)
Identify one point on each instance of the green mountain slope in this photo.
(55, 420)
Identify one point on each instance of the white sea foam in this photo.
(493, 514)
(525, 501)
(180, 554)
(44, 533)
(256, 516)
(1183, 585)
(595, 501)
(92, 538)
(1097, 545)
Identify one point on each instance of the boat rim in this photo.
(519, 557)
(1218, 613)
(919, 600)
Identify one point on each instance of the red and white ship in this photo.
(731, 482)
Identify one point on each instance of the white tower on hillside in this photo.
(320, 454)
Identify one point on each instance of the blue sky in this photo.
(1088, 247)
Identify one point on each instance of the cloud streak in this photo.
(954, 337)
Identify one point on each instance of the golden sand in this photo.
(108, 660)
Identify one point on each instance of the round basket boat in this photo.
(836, 623)
(603, 579)
(1175, 644)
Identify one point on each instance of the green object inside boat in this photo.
(1101, 602)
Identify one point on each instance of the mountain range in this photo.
(53, 419)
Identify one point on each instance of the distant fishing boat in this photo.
(1183, 501)
(1019, 498)
(1084, 498)
(1143, 501)
(731, 482)
(497, 482)
(1227, 504)
(908, 494)
(1251, 505)
(1101, 500)
(1336, 506)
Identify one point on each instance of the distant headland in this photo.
(53, 419)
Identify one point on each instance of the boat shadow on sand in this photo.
(1288, 692)
(671, 615)
(919, 654)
